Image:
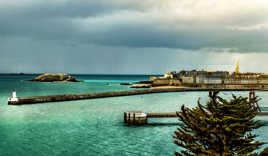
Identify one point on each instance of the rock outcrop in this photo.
(55, 78)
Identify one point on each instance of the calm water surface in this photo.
(92, 127)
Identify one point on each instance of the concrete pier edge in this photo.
(94, 95)
(134, 117)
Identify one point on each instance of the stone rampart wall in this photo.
(187, 80)
(166, 82)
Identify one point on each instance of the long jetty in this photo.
(141, 118)
(70, 97)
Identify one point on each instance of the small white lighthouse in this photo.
(14, 97)
(14, 94)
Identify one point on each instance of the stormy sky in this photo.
(132, 37)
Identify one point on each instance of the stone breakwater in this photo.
(70, 97)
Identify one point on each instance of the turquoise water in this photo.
(92, 127)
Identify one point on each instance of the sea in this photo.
(94, 127)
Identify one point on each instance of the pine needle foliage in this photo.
(220, 128)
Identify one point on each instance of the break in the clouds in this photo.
(103, 36)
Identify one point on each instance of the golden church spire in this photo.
(237, 66)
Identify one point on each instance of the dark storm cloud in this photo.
(126, 36)
(52, 19)
(60, 8)
(134, 24)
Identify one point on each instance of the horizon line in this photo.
(21, 73)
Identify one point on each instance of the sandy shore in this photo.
(167, 87)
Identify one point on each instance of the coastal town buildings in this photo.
(212, 79)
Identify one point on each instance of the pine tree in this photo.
(220, 128)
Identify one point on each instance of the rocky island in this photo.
(48, 77)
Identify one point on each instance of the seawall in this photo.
(70, 97)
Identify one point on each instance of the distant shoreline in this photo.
(21, 74)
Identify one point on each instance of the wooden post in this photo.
(128, 120)
(134, 119)
(125, 117)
